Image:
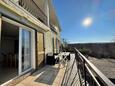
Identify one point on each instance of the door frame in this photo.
(0, 30)
(33, 65)
(32, 49)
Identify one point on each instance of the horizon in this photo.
(90, 42)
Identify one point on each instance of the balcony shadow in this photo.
(39, 71)
(47, 76)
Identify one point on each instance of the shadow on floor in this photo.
(40, 70)
(7, 73)
(48, 75)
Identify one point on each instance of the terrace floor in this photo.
(53, 75)
(47, 76)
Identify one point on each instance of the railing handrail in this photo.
(101, 76)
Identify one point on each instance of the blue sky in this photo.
(71, 14)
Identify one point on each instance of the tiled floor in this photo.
(53, 76)
(47, 76)
(71, 73)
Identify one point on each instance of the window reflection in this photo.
(26, 50)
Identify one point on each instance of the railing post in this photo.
(84, 72)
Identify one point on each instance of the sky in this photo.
(72, 13)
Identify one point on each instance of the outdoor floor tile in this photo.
(47, 76)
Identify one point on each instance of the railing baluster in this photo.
(88, 74)
(92, 76)
(34, 9)
(85, 73)
(90, 67)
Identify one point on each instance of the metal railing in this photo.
(86, 73)
(33, 8)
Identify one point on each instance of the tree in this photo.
(64, 44)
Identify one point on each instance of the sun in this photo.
(87, 21)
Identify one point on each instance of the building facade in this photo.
(29, 30)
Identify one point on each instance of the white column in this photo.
(47, 12)
(0, 31)
(0, 26)
(33, 50)
(20, 52)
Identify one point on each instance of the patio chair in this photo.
(63, 59)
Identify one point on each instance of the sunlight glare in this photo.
(87, 21)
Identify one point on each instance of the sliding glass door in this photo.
(17, 49)
(25, 50)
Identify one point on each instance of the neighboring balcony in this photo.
(41, 10)
(34, 9)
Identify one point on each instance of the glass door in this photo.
(19, 46)
(25, 50)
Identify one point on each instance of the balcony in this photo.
(52, 28)
(87, 73)
(34, 9)
(78, 71)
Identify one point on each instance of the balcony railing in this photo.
(33, 8)
(86, 73)
(52, 28)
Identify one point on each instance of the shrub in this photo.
(85, 51)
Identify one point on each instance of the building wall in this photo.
(18, 14)
(48, 42)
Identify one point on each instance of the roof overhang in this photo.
(53, 16)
